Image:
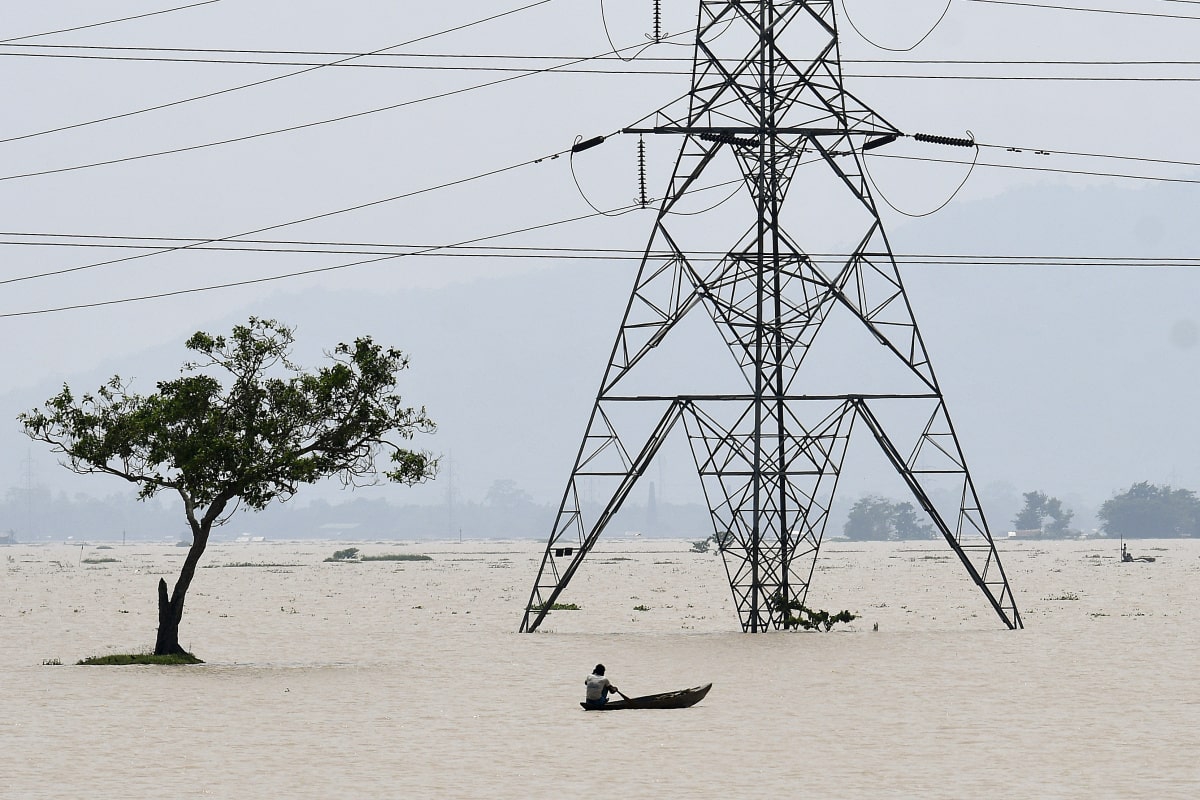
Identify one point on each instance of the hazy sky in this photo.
(1072, 380)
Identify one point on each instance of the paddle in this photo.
(623, 697)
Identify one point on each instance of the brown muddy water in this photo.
(407, 679)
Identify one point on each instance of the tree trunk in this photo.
(170, 609)
(168, 623)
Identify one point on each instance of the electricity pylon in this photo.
(769, 450)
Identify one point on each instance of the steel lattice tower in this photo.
(769, 451)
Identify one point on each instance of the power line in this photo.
(298, 273)
(342, 56)
(107, 22)
(570, 253)
(875, 154)
(316, 270)
(293, 128)
(231, 239)
(317, 64)
(1010, 261)
(347, 57)
(591, 70)
(311, 218)
(1040, 151)
(1089, 10)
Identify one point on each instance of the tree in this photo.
(1043, 513)
(253, 441)
(870, 518)
(1029, 518)
(907, 525)
(1060, 518)
(877, 518)
(1146, 510)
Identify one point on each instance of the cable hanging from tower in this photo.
(914, 46)
(950, 141)
(655, 38)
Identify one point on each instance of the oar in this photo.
(623, 697)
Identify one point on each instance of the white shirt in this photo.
(596, 686)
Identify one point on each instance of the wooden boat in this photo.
(683, 698)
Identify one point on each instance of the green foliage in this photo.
(875, 518)
(101, 561)
(1147, 511)
(717, 542)
(641, 608)
(242, 425)
(349, 554)
(807, 618)
(123, 659)
(1043, 513)
(51, 662)
(398, 557)
(555, 607)
(257, 436)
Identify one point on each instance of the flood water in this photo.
(407, 679)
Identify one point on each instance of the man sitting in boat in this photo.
(598, 687)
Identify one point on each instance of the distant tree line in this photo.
(1144, 511)
(874, 518)
(1147, 511)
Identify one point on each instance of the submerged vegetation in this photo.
(398, 557)
(807, 618)
(351, 555)
(123, 659)
(555, 607)
(716, 542)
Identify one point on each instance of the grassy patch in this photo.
(641, 608)
(121, 659)
(349, 554)
(101, 561)
(1064, 596)
(555, 607)
(51, 662)
(398, 557)
(247, 564)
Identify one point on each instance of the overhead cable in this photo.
(348, 62)
(289, 246)
(310, 218)
(289, 275)
(1089, 10)
(846, 16)
(874, 154)
(292, 128)
(309, 68)
(107, 22)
